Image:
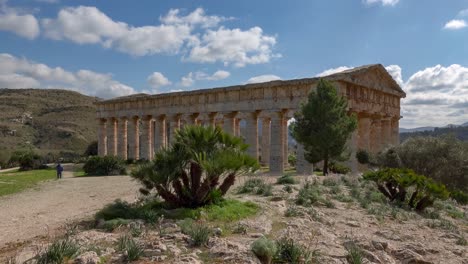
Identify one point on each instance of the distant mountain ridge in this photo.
(429, 128)
(458, 131)
(49, 120)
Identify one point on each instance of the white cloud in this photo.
(88, 25)
(435, 96)
(189, 35)
(383, 2)
(455, 24)
(24, 25)
(263, 78)
(157, 80)
(191, 77)
(187, 80)
(197, 17)
(22, 73)
(233, 46)
(333, 71)
(395, 72)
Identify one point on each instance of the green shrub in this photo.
(117, 209)
(292, 160)
(406, 187)
(460, 196)
(461, 241)
(343, 198)
(292, 211)
(339, 168)
(59, 252)
(330, 182)
(265, 190)
(133, 250)
(286, 179)
(111, 225)
(308, 195)
(251, 185)
(288, 189)
(288, 251)
(264, 249)
(355, 255)
(26, 159)
(198, 232)
(104, 166)
(363, 156)
(198, 168)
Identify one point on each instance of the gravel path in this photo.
(50, 205)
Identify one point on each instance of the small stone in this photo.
(256, 235)
(217, 231)
(353, 224)
(151, 252)
(379, 245)
(89, 257)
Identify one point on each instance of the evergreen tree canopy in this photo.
(323, 125)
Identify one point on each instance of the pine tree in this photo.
(323, 125)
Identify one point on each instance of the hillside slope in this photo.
(50, 120)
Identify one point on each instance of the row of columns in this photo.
(121, 136)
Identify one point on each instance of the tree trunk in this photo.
(325, 166)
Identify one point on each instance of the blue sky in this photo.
(115, 48)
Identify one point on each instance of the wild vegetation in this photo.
(104, 166)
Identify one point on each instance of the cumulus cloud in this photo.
(435, 96)
(263, 78)
(455, 24)
(191, 77)
(233, 46)
(157, 80)
(24, 25)
(393, 70)
(22, 73)
(383, 2)
(190, 35)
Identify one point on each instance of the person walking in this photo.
(59, 169)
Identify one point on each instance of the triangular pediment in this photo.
(372, 76)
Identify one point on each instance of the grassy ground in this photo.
(16, 181)
(78, 171)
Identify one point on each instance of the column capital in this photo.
(230, 114)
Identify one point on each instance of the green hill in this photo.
(50, 121)
(460, 132)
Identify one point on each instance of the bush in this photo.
(264, 249)
(406, 187)
(308, 195)
(355, 255)
(59, 252)
(117, 209)
(363, 156)
(198, 169)
(104, 166)
(292, 160)
(339, 168)
(198, 232)
(92, 149)
(442, 159)
(286, 179)
(257, 186)
(460, 196)
(132, 249)
(26, 159)
(111, 225)
(290, 252)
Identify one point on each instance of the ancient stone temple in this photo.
(134, 127)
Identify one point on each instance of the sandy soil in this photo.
(52, 204)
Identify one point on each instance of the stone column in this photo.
(212, 119)
(265, 141)
(160, 133)
(395, 134)
(146, 135)
(375, 135)
(229, 123)
(134, 138)
(191, 119)
(252, 134)
(174, 125)
(237, 127)
(277, 144)
(364, 127)
(285, 139)
(102, 138)
(111, 136)
(386, 133)
(303, 167)
(122, 142)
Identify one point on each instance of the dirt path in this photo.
(49, 206)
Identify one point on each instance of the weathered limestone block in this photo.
(102, 138)
(122, 138)
(111, 136)
(133, 139)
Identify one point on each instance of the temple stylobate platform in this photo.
(134, 127)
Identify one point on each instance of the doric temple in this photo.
(134, 127)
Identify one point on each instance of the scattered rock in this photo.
(408, 256)
(380, 245)
(89, 257)
(217, 231)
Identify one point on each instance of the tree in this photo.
(197, 169)
(323, 125)
(92, 149)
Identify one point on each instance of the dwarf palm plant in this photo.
(197, 169)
